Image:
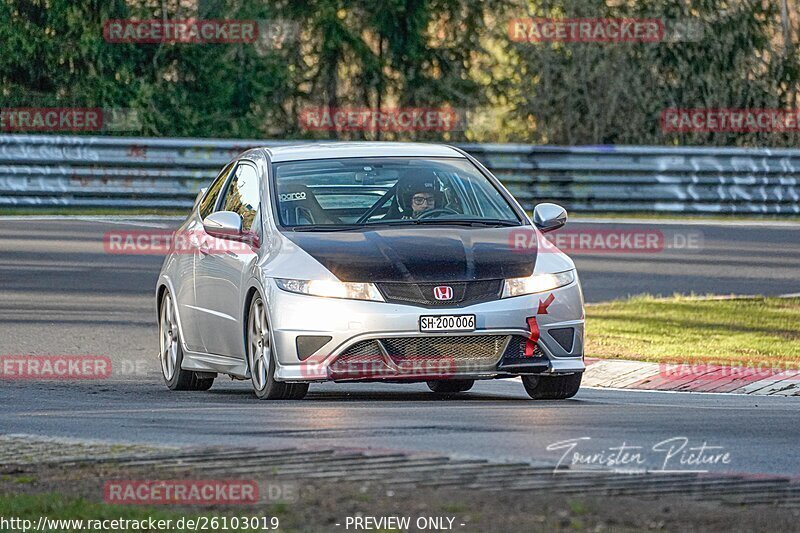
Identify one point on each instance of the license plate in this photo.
(447, 323)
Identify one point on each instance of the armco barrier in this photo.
(82, 171)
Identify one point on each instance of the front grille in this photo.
(464, 292)
(363, 352)
(428, 357)
(420, 357)
(460, 348)
(363, 349)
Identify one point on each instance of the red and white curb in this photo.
(691, 377)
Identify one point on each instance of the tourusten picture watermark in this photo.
(669, 456)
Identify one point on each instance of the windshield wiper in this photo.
(471, 222)
(327, 227)
(446, 221)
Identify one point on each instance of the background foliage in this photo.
(418, 53)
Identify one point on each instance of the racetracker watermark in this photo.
(68, 119)
(376, 366)
(269, 33)
(714, 370)
(721, 120)
(162, 242)
(54, 367)
(402, 119)
(182, 491)
(605, 240)
(603, 30)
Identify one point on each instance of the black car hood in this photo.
(420, 254)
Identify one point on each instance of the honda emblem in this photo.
(443, 292)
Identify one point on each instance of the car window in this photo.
(355, 200)
(478, 199)
(210, 199)
(386, 190)
(242, 195)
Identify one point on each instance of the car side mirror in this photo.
(549, 217)
(225, 224)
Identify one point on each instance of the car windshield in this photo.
(342, 193)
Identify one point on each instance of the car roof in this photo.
(303, 152)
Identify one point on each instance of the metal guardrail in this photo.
(78, 171)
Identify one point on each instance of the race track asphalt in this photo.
(62, 294)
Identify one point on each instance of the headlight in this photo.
(331, 289)
(537, 283)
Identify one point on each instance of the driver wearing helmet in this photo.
(419, 193)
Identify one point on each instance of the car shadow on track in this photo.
(372, 394)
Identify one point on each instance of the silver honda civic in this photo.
(354, 262)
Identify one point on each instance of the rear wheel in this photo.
(261, 362)
(552, 387)
(171, 352)
(451, 385)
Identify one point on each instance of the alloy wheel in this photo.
(169, 339)
(259, 350)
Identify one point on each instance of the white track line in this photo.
(692, 222)
(99, 218)
(155, 221)
(577, 220)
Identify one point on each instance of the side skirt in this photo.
(205, 362)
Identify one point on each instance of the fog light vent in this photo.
(565, 337)
(308, 344)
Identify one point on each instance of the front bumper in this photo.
(353, 324)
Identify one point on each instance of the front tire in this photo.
(171, 352)
(450, 386)
(552, 387)
(261, 360)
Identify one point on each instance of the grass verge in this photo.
(746, 332)
(690, 216)
(325, 506)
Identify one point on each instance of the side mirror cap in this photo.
(549, 217)
(225, 224)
